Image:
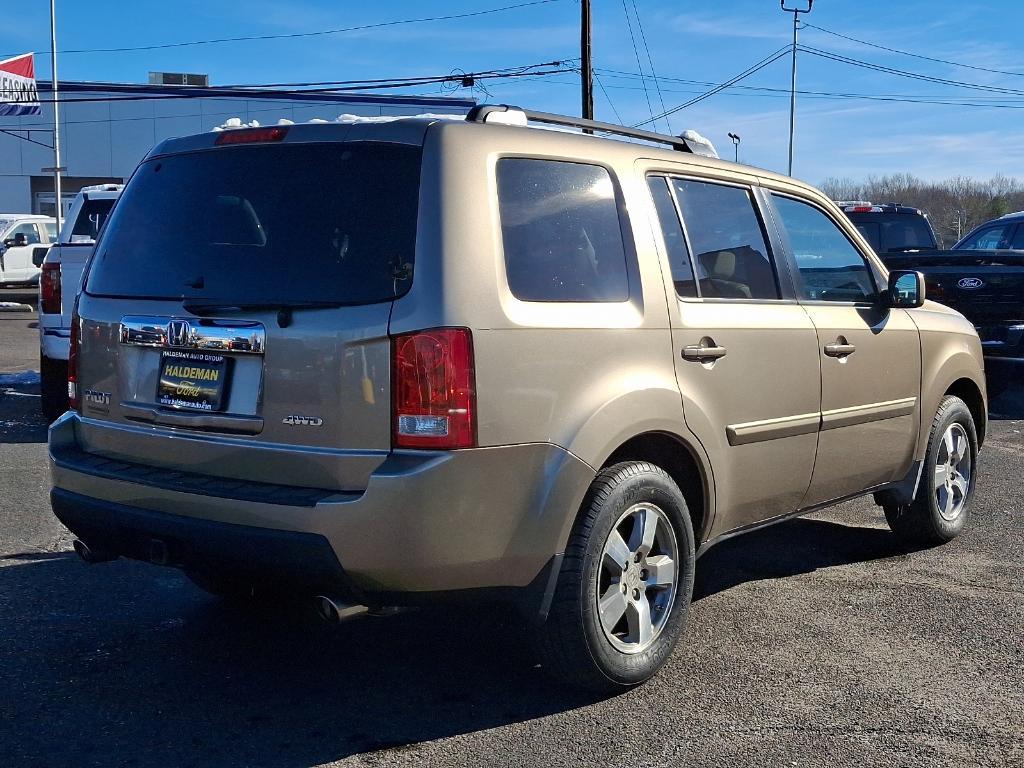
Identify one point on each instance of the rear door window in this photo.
(831, 268)
(731, 254)
(560, 230)
(332, 222)
(675, 239)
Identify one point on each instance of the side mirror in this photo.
(39, 255)
(906, 289)
(20, 240)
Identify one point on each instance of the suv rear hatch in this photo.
(234, 321)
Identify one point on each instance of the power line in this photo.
(318, 33)
(356, 86)
(904, 73)
(607, 97)
(914, 55)
(721, 87)
(624, 74)
(765, 92)
(334, 83)
(629, 26)
(650, 64)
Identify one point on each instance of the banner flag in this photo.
(18, 92)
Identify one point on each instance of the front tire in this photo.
(626, 581)
(941, 508)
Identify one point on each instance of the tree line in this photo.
(954, 206)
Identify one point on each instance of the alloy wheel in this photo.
(953, 472)
(637, 578)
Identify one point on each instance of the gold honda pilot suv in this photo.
(394, 363)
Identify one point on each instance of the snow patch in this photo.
(698, 144)
(20, 379)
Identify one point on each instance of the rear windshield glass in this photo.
(263, 224)
(894, 232)
(90, 219)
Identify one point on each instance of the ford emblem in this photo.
(971, 283)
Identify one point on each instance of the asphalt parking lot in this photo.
(816, 642)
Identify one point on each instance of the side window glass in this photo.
(672, 232)
(730, 253)
(1018, 239)
(560, 230)
(988, 239)
(831, 268)
(28, 230)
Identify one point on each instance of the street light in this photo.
(735, 145)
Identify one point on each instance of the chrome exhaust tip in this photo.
(332, 611)
(91, 556)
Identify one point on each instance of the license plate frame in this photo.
(192, 381)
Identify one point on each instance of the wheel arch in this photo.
(959, 374)
(682, 462)
(969, 391)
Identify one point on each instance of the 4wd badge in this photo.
(302, 421)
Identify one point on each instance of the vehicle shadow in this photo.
(791, 548)
(129, 664)
(125, 663)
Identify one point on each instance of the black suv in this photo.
(891, 227)
(1004, 233)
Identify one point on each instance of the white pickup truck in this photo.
(59, 285)
(20, 236)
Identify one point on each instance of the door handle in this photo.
(701, 353)
(839, 349)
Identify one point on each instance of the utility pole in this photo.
(792, 84)
(735, 137)
(56, 116)
(586, 64)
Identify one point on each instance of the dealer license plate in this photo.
(192, 380)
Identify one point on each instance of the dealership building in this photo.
(107, 128)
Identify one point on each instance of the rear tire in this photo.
(941, 508)
(626, 581)
(53, 387)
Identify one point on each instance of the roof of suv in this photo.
(411, 129)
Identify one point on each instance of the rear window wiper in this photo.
(284, 309)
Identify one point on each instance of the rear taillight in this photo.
(73, 362)
(49, 289)
(433, 389)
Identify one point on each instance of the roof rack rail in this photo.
(509, 115)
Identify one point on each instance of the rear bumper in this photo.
(304, 560)
(486, 518)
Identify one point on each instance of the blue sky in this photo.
(704, 42)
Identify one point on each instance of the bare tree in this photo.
(954, 205)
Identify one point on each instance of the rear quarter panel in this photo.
(583, 376)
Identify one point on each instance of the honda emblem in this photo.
(177, 333)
